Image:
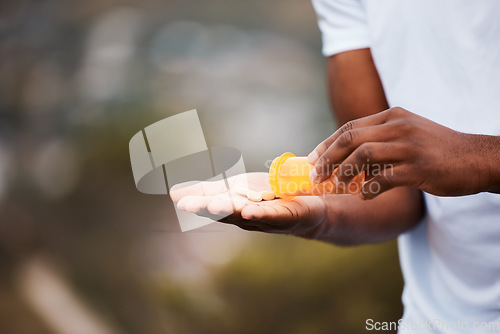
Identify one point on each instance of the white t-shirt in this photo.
(439, 59)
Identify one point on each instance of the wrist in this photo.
(319, 215)
(489, 160)
(334, 224)
(494, 165)
(310, 222)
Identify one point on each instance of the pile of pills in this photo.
(255, 196)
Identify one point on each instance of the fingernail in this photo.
(312, 157)
(313, 175)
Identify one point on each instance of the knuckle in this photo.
(322, 147)
(404, 124)
(396, 112)
(346, 139)
(365, 152)
(347, 127)
(319, 164)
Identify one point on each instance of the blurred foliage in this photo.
(77, 80)
(287, 285)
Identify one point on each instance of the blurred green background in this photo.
(82, 251)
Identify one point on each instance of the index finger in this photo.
(375, 119)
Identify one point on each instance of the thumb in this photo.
(377, 185)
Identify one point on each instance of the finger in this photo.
(224, 207)
(227, 205)
(258, 212)
(371, 120)
(275, 212)
(344, 145)
(373, 158)
(207, 188)
(194, 204)
(384, 182)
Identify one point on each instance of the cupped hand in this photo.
(302, 216)
(399, 148)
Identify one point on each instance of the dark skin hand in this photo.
(355, 91)
(399, 148)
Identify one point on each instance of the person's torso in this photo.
(441, 59)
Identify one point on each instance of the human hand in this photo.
(302, 217)
(398, 148)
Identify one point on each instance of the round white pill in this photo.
(240, 191)
(254, 196)
(268, 195)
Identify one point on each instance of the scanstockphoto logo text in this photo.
(373, 326)
(372, 170)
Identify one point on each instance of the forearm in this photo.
(349, 220)
(354, 86)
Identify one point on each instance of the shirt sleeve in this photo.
(342, 24)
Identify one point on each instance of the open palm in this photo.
(302, 216)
